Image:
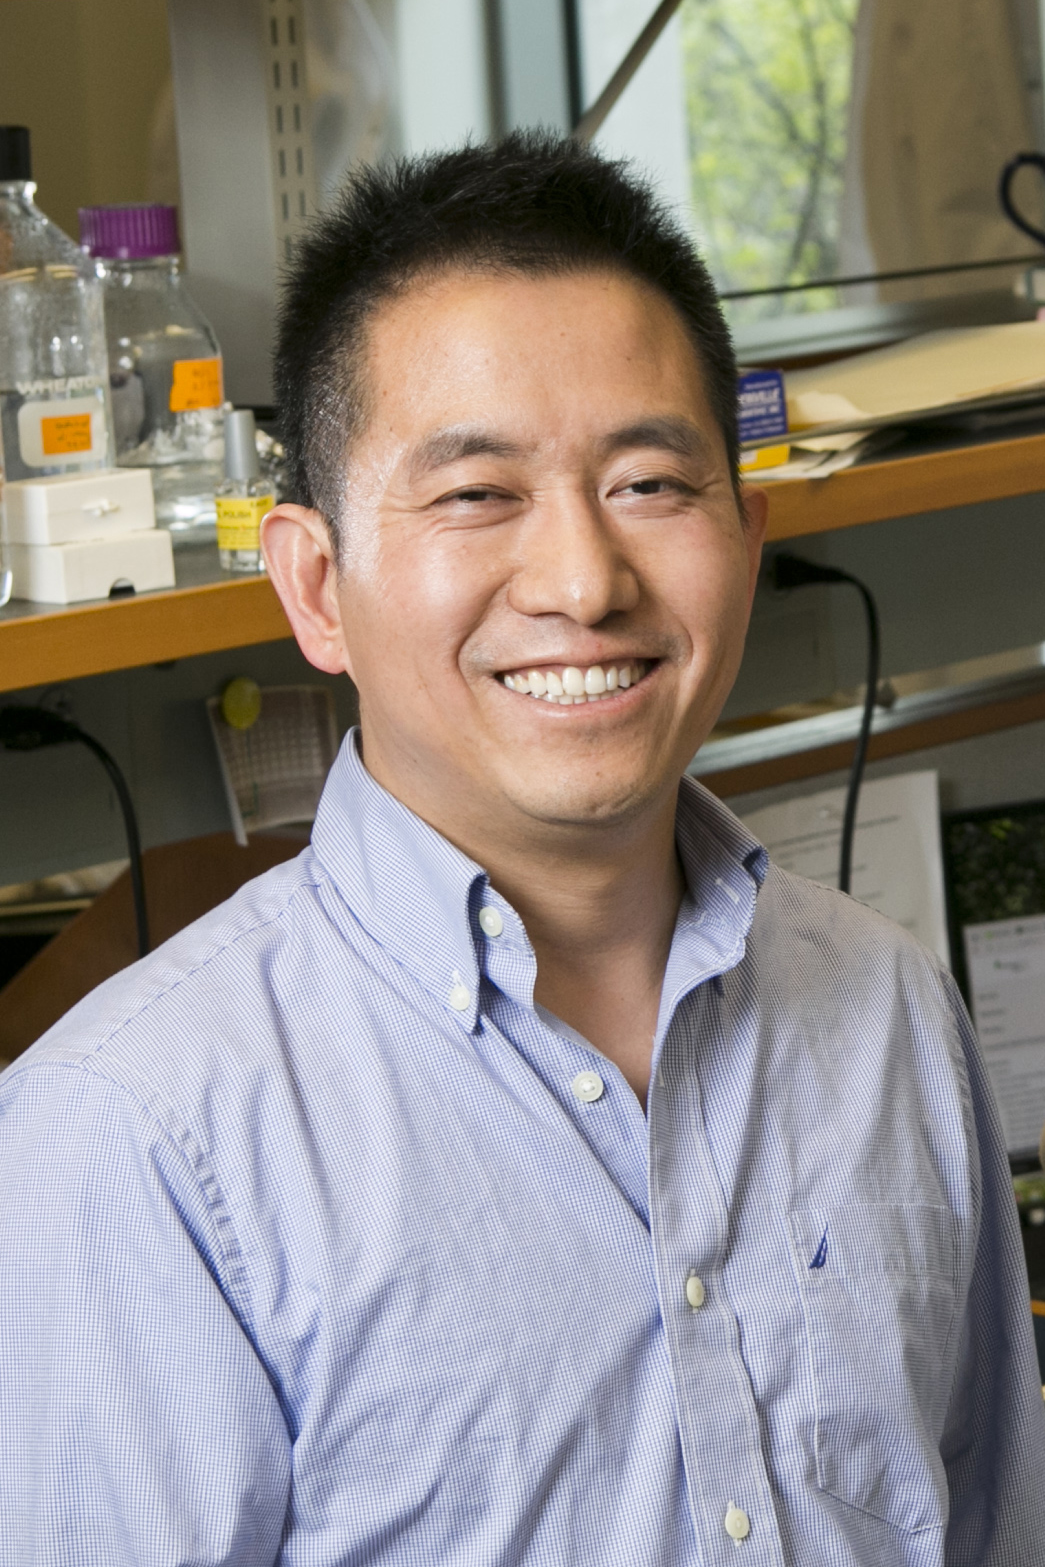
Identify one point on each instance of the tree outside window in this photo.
(767, 93)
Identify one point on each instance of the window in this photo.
(807, 139)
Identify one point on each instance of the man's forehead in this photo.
(437, 339)
(448, 302)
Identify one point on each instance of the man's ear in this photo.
(299, 557)
(754, 514)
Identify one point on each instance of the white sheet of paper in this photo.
(897, 860)
(1005, 960)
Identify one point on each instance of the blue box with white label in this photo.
(761, 405)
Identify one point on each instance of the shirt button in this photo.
(695, 1291)
(588, 1086)
(460, 997)
(490, 922)
(738, 1524)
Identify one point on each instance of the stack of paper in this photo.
(935, 371)
(817, 457)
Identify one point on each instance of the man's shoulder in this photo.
(196, 984)
(799, 915)
(840, 968)
(794, 914)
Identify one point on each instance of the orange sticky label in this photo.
(196, 384)
(65, 433)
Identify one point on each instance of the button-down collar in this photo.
(419, 897)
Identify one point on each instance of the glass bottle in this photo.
(244, 498)
(54, 383)
(165, 369)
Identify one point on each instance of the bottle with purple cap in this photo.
(164, 364)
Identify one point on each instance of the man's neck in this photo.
(601, 929)
(599, 904)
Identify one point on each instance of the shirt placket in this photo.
(719, 1426)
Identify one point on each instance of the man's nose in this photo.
(573, 562)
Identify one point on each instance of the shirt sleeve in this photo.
(138, 1428)
(993, 1444)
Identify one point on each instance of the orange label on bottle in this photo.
(196, 384)
(63, 433)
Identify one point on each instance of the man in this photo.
(529, 1173)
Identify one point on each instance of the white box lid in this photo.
(79, 506)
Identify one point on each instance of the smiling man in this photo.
(530, 1173)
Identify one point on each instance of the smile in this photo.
(570, 685)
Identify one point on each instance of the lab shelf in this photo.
(209, 611)
(206, 612)
(903, 486)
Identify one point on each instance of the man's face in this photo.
(540, 507)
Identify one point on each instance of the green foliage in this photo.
(767, 87)
(997, 864)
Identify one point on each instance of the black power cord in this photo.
(790, 571)
(32, 728)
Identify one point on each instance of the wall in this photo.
(88, 78)
(58, 809)
(950, 585)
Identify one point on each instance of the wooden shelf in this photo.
(39, 646)
(208, 612)
(904, 486)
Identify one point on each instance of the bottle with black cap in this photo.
(54, 375)
(244, 498)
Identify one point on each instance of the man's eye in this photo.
(650, 487)
(473, 495)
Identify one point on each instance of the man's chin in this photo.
(564, 801)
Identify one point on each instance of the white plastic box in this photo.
(88, 568)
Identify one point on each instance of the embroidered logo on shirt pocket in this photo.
(879, 1296)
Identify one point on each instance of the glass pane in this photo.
(810, 139)
(767, 98)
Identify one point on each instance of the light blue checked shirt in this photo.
(320, 1244)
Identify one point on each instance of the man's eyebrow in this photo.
(666, 432)
(443, 447)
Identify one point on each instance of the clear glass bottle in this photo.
(165, 369)
(244, 498)
(54, 383)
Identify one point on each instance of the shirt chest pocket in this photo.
(879, 1298)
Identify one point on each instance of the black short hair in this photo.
(534, 203)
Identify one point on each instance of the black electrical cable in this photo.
(32, 728)
(790, 571)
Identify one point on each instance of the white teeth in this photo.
(575, 685)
